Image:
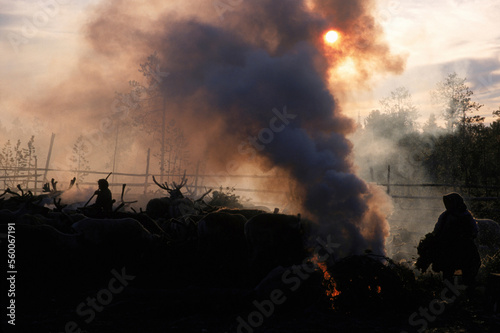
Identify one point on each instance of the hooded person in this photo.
(454, 233)
(456, 221)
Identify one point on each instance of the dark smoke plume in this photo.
(234, 69)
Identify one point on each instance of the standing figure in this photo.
(454, 234)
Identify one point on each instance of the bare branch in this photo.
(204, 195)
(119, 207)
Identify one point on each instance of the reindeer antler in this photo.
(20, 189)
(54, 184)
(71, 183)
(176, 190)
(164, 186)
(183, 182)
(59, 206)
(123, 203)
(8, 190)
(123, 191)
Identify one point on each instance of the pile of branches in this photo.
(372, 284)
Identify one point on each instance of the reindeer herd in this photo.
(176, 240)
(62, 248)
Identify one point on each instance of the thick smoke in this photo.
(250, 82)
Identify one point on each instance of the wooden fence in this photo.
(415, 203)
(32, 179)
(420, 191)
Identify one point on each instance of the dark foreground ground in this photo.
(174, 313)
(204, 309)
(175, 288)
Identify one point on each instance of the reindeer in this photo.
(173, 206)
(222, 248)
(176, 205)
(28, 201)
(52, 196)
(274, 240)
(175, 191)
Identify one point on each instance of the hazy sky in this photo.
(39, 49)
(440, 37)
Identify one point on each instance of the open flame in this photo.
(330, 284)
(377, 288)
(328, 281)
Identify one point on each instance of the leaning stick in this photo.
(93, 195)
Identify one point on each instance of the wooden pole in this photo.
(388, 179)
(163, 129)
(28, 178)
(48, 157)
(147, 172)
(196, 179)
(116, 150)
(36, 175)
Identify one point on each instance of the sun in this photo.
(331, 36)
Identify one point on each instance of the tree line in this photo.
(466, 151)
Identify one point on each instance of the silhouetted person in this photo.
(455, 231)
(104, 200)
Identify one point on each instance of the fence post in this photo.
(48, 156)
(36, 176)
(28, 178)
(147, 172)
(388, 179)
(163, 129)
(196, 179)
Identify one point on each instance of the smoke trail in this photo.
(233, 70)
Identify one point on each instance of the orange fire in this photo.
(379, 289)
(329, 283)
